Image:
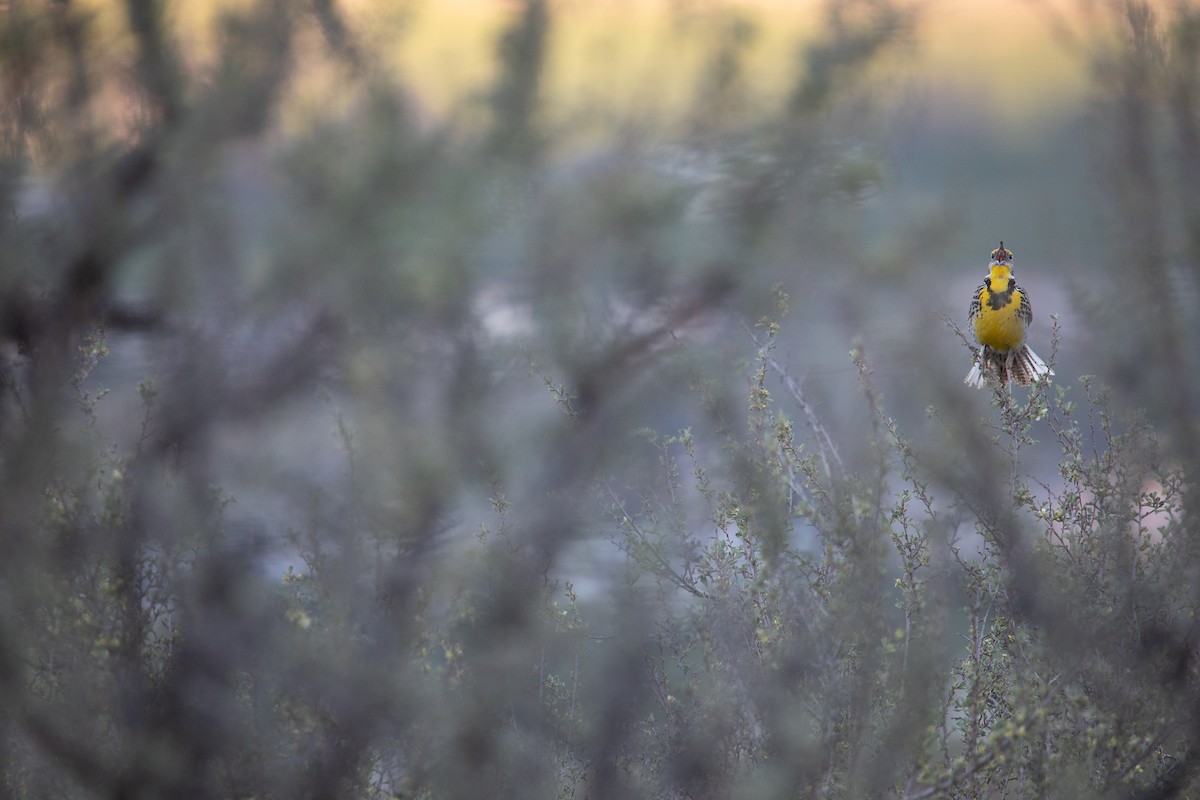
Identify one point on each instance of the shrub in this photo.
(568, 526)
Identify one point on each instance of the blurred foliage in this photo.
(571, 524)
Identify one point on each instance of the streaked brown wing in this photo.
(975, 303)
(1025, 312)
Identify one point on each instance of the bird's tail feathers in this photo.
(1024, 366)
(1028, 367)
(975, 378)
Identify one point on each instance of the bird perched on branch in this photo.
(1001, 314)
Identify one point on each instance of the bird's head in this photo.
(1002, 256)
(1001, 268)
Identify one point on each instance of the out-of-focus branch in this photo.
(158, 69)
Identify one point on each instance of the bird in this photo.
(1001, 315)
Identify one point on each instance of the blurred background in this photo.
(964, 124)
(560, 398)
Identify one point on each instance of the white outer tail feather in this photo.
(1037, 368)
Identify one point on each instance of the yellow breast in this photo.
(1000, 328)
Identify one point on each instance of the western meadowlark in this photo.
(1001, 313)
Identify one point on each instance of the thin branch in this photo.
(825, 443)
(952, 780)
(663, 564)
